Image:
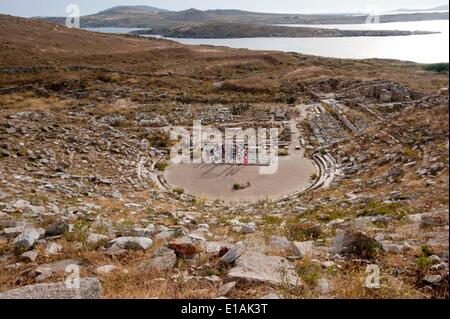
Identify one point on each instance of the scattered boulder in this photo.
(257, 267)
(52, 249)
(391, 247)
(12, 232)
(29, 256)
(37, 210)
(56, 229)
(434, 220)
(142, 232)
(21, 204)
(280, 244)
(396, 172)
(96, 238)
(415, 218)
(131, 243)
(440, 266)
(163, 259)
(58, 267)
(151, 228)
(216, 249)
(14, 266)
(234, 253)
(245, 229)
(27, 239)
(302, 249)
(90, 288)
(165, 235)
(184, 247)
(106, 269)
(434, 259)
(435, 168)
(357, 243)
(256, 242)
(432, 279)
(42, 274)
(226, 289)
(323, 286)
(197, 236)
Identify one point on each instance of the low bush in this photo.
(436, 67)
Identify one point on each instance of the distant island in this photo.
(195, 23)
(239, 30)
(434, 9)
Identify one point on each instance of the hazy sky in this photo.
(29, 8)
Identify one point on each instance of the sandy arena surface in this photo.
(216, 181)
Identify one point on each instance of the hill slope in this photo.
(130, 9)
(55, 45)
(434, 9)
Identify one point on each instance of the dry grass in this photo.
(134, 284)
(352, 286)
(28, 101)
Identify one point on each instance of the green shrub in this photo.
(308, 271)
(159, 139)
(79, 232)
(436, 67)
(423, 263)
(178, 190)
(283, 152)
(161, 166)
(366, 247)
(376, 208)
(200, 202)
(303, 231)
(291, 99)
(306, 124)
(426, 251)
(409, 152)
(271, 220)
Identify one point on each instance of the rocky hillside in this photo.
(148, 17)
(82, 139)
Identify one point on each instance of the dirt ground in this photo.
(216, 181)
